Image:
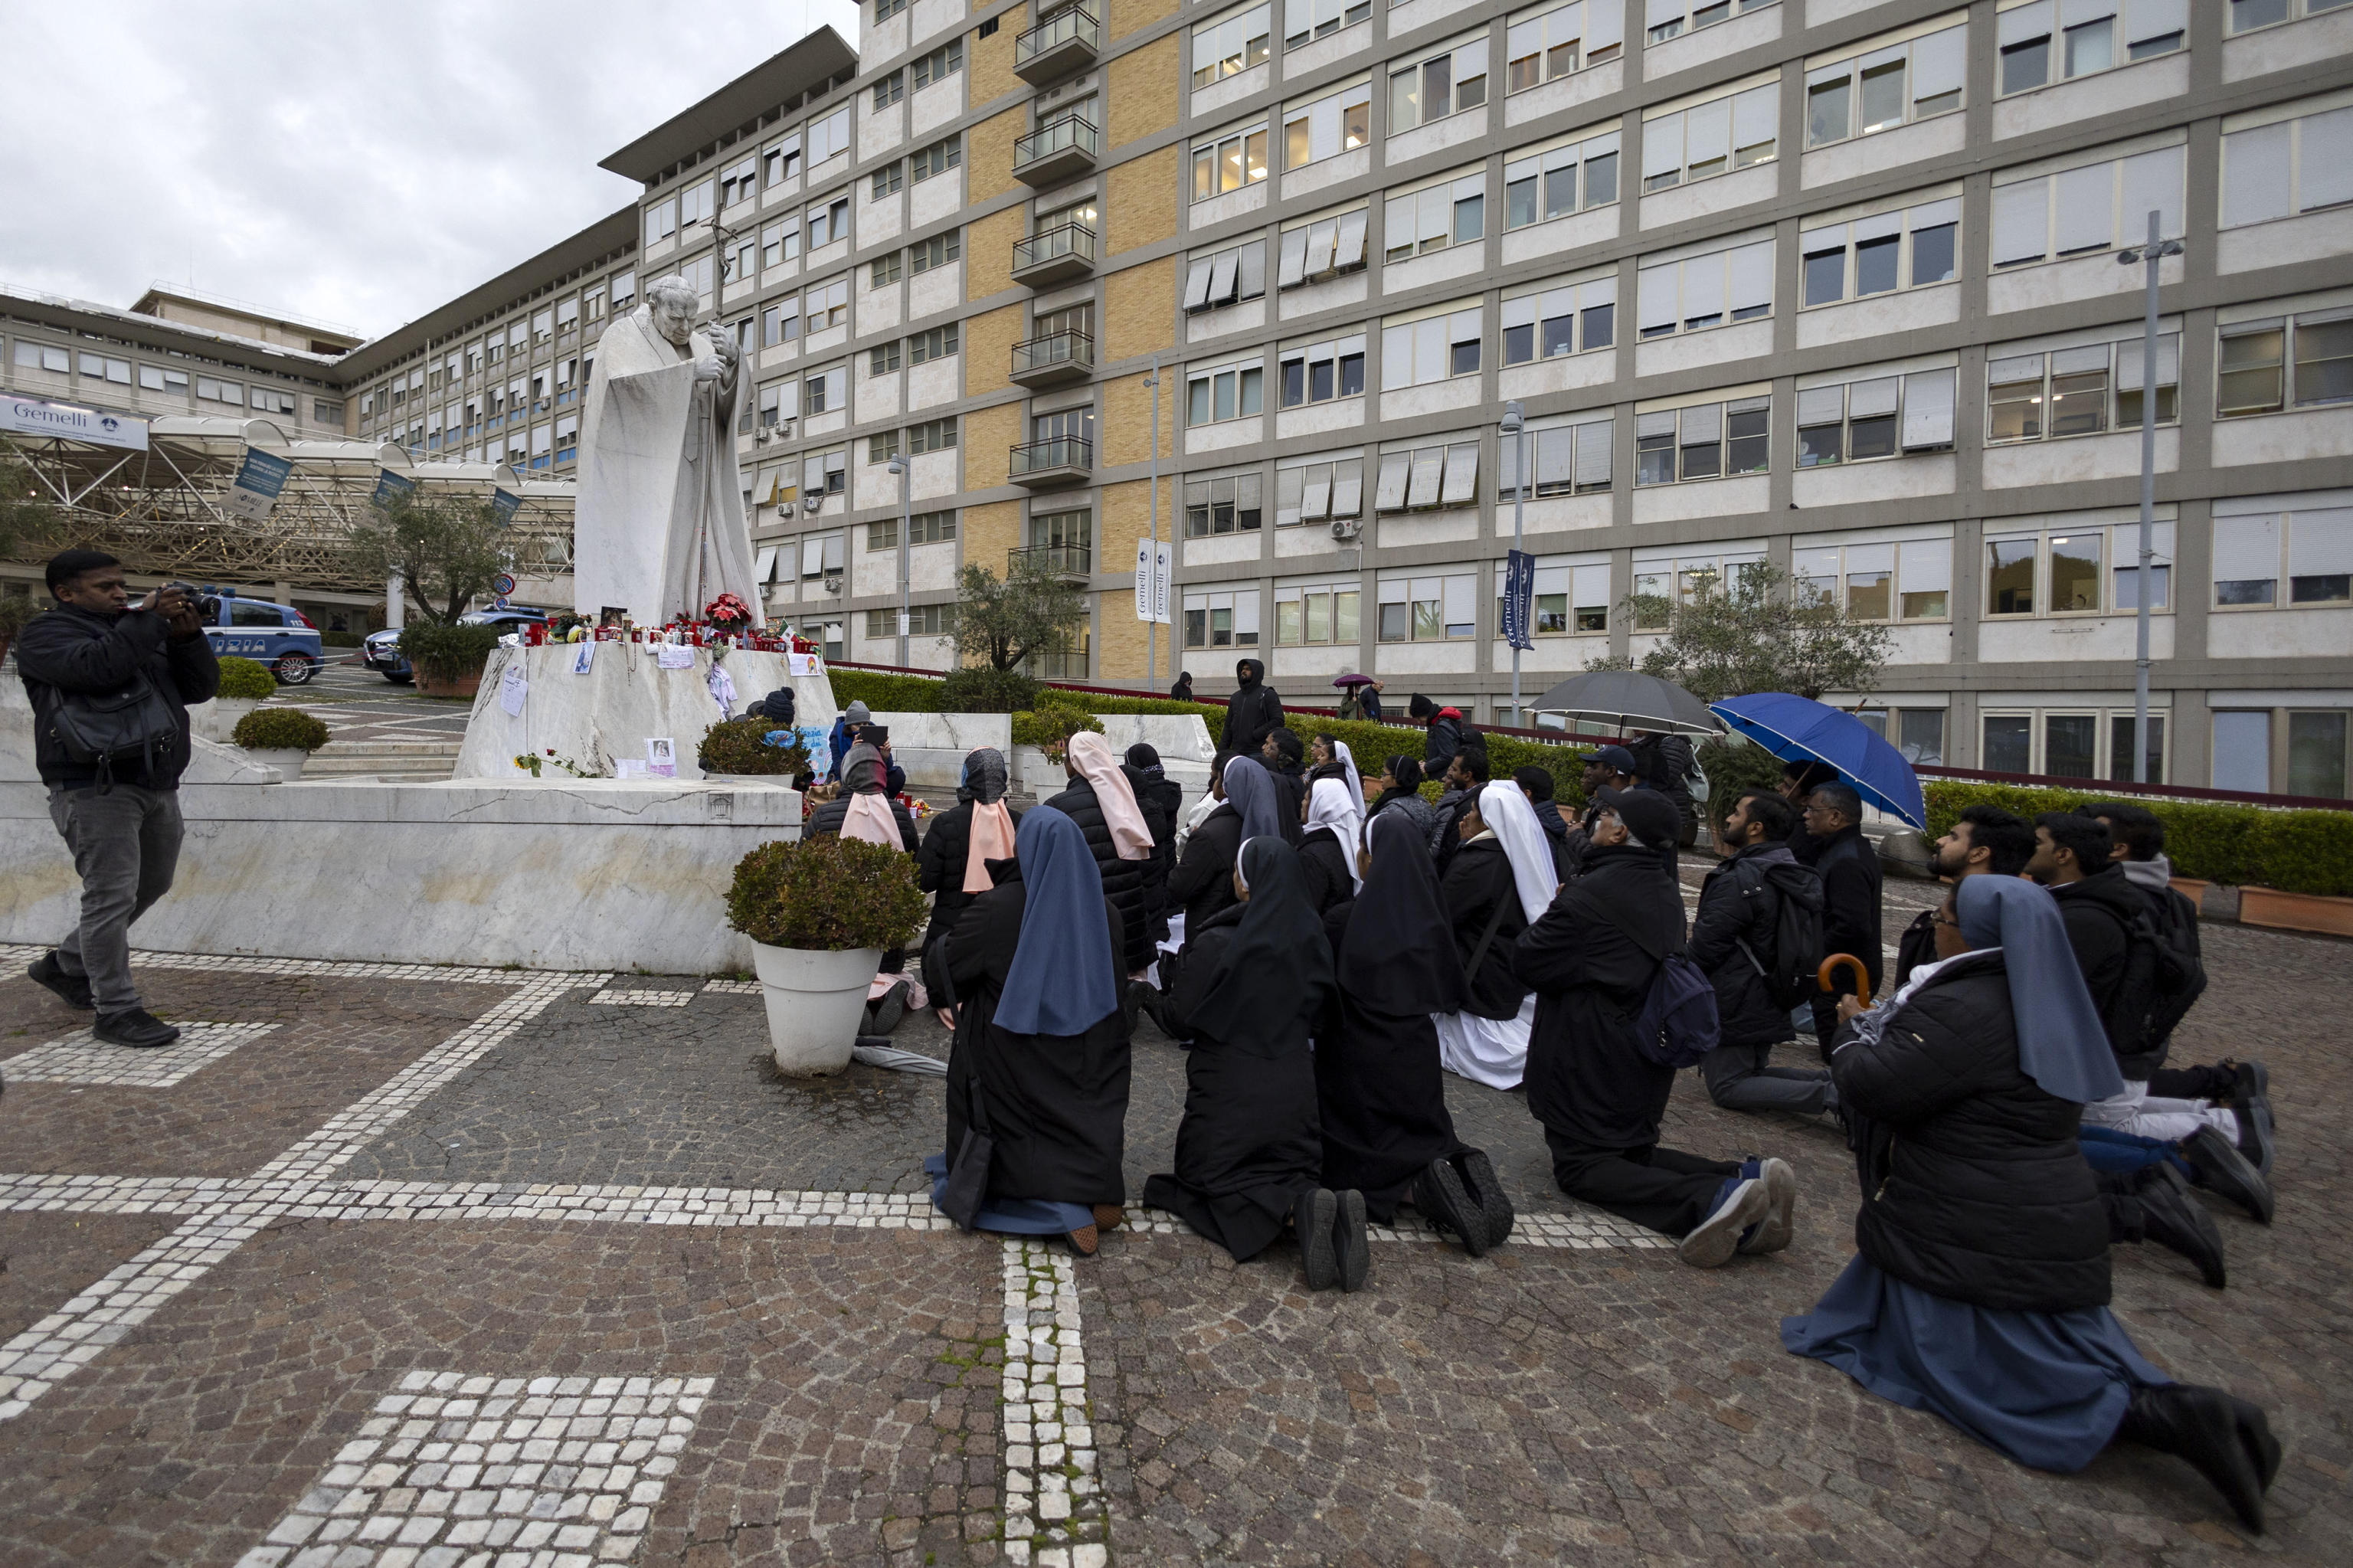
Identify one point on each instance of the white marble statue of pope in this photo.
(659, 528)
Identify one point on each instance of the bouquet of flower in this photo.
(727, 612)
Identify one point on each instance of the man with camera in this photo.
(111, 681)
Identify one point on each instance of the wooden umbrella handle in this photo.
(1861, 976)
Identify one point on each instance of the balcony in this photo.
(1056, 358)
(1059, 151)
(1063, 560)
(1069, 40)
(1042, 465)
(1054, 256)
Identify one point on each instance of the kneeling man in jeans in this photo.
(124, 831)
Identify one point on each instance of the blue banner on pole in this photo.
(1519, 598)
(505, 504)
(390, 488)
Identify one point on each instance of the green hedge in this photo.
(2210, 841)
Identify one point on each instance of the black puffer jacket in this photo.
(1973, 1186)
(1252, 712)
(1203, 881)
(1126, 882)
(1163, 800)
(1740, 901)
(939, 865)
(825, 822)
(1475, 884)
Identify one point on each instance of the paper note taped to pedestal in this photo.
(673, 656)
(661, 757)
(511, 690)
(801, 664)
(582, 656)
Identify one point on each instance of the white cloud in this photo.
(353, 163)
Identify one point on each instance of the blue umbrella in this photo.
(1800, 729)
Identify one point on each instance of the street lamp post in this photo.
(1514, 430)
(2144, 588)
(898, 466)
(1152, 599)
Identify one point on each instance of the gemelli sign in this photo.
(32, 417)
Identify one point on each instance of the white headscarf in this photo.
(1355, 783)
(1328, 807)
(1503, 809)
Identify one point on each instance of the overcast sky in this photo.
(349, 162)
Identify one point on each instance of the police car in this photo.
(380, 651)
(277, 635)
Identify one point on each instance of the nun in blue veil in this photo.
(1980, 1290)
(1037, 1075)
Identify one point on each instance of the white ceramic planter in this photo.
(287, 760)
(214, 720)
(815, 1002)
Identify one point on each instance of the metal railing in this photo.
(1055, 136)
(1062, 239)
(1073, 24)
(1072, 348)
(1071, 560)
(1058, 452)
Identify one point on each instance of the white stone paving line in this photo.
(1055, 1515)
(610, 998)
(33, 1362)
(81, 1058)
(732, 987)
(327, 968)
(455, 1471)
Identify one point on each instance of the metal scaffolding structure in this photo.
(162, 511)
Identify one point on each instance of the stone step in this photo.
(402, 761)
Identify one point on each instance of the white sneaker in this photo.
(1717, 1237)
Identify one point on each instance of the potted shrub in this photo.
(244, 683)
(820, 913)
(1039, 739)
(737, 751)
(282, 738)
(448, 660)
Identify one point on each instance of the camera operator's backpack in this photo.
(1790, 969)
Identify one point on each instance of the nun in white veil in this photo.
(1497, 886)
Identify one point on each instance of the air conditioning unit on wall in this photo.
(1345, 528)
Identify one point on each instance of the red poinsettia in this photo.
(727, 610)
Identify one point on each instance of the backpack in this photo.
(1789, 970)
(131, 722)
(1678, 1023)
(1668, 764)
(2179, 978)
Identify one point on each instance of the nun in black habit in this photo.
(1038, 1075)
(1378, 1090)
(1248, 1158)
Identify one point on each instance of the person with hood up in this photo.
(1536, 784)
(1498, 886)
(1378, 1086)
(1591, 960)
(864, 810)
(1441, 732)
(1204, 879)
(1121, 835)
(1162, 801)
(1327, 853)
(1252, 712)
(1182, 692)
(1249, 1157)
(1401, 791)
(1038, 1072)
(1733, 938)
(953, 865)
(1979, 1289)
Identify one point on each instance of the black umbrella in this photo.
(1626, 699)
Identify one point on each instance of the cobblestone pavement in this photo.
(421, 1268)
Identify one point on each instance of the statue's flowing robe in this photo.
(659, 527)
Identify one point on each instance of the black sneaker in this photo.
(883, 1013)
(1311, 1222)
(2171, 1219)
(71, 989)
(2230, 1173)
(1349, 1242)
(1479, 1177)
(136, 1027)
(2250, 1100)
(1446, 1203)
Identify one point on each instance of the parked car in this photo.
(380, 651)
(261, 629)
